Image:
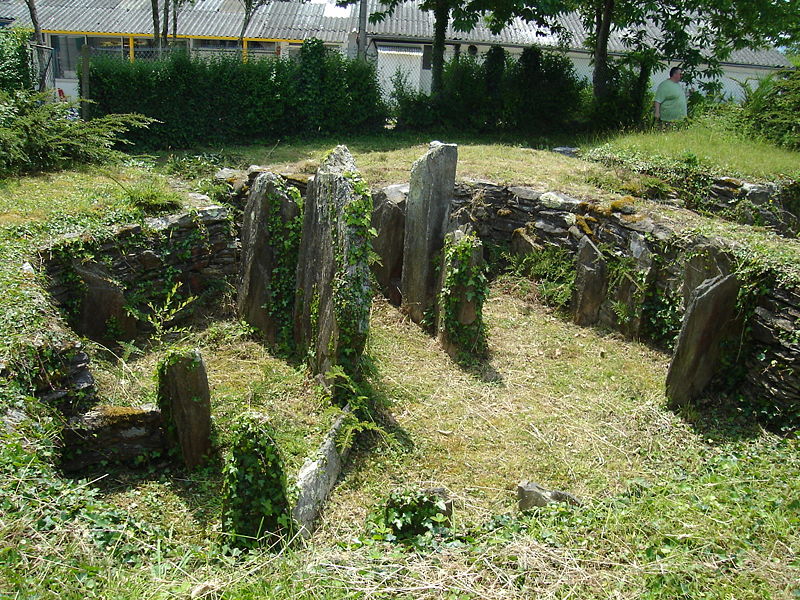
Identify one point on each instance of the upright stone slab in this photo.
(624, 305)
(710, 319)
(591, 283)
(389, 221)
(103, 316)
(427, 213)
(331, 316)
(269, 256)
(459, 320)
(704, 261)
(185, 403)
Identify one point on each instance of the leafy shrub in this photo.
(771, 108)
(543, 91)
(16, 67)
(37, 134)
(413, 110)
(413, 513)
(628, 101)
(225, 100)
(553, 270)
(255, 508)
(464, 94)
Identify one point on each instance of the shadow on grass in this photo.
(720, 420)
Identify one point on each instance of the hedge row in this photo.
(16, 68)
(539, 92)
(226, 100)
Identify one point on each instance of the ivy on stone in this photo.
(255, 506)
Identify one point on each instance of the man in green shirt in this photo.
(670, 102)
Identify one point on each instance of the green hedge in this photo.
(539, 92)
(16, 68)
(224, 100)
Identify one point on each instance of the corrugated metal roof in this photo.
(300, 21)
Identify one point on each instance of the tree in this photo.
(465, 14)
(250, 9)
(155, 12)
(692, 32)
(39, 38)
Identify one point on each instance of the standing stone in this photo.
(710, 319)
(591, 283)
(705, 261)
(185, 403)
(331, 316)
(427, 213)
(459, 318)
(389, 221)
(269, 254)
(623, 308)
(102, 311)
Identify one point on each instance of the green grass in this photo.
(720, 150)
(701, 504)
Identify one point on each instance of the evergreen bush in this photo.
(37, 134)
(539, 92)
(226, 100)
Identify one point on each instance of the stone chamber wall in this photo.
(650, 271)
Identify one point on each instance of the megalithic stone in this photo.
(427, 213)
(591, 283)
(459, 318)
(331, 317)
(389, 221)
(709, 320)
(269, 252)
(185, 402)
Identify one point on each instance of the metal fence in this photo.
(44, 68)
(401, 65)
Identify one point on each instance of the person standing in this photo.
(670, 102)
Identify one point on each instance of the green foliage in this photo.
(688, 174)
(352, 287)
(539, 92)
(161, 315)
(412, 513)
(553, 270)
(771, 108)
(283, 278)
(543, 91)
(628, 102)
(198, 101)
(37, 134)
(255, 508)
(16, 61)
(465, 280)
(151, 195)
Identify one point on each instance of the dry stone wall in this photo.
(97, 282)
(635, 273)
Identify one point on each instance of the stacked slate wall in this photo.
(96, 281)
(654, 270)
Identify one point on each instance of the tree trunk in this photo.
(248, 14)
(174, 21)
(156, 37)
(602, 24)
(165, 26)
(441, 18)
(362, 30)
(37, 34)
